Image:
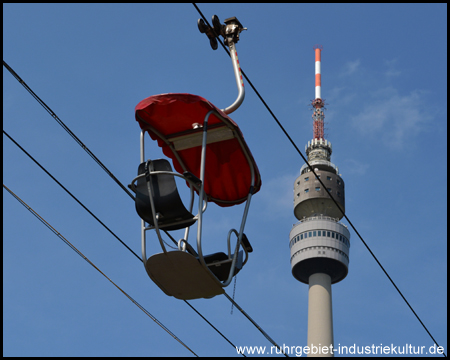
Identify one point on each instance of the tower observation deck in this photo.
(319, 243)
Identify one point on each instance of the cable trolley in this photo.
(209, 152)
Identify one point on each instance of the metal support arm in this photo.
(239, 80)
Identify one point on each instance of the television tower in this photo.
(319, 243)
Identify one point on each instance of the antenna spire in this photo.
(318, 103)
(318, 49)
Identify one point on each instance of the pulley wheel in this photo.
(213, 43)
(216, 25)
(202, 26)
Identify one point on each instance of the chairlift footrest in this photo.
(181, 275)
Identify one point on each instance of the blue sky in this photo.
(384, 71)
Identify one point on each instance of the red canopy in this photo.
(176, 122)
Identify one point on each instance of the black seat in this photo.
(172, 213)
(220, 264)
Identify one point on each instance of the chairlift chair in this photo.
(209, 152)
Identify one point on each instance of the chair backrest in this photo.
(173, 214)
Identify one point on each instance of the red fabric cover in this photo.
(227, 173)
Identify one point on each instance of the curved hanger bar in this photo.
(239, 80)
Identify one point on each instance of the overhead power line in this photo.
(67, 242)
(318, 178)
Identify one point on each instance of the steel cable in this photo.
(64, 126)
(67, 191)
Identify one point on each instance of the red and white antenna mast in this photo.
(318, 103)
(318, 49)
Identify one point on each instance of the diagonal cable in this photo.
(64, 126)
(255, 324)
(67, 191)
(67, 242)
(323, 185)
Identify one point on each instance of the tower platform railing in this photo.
(319, 217)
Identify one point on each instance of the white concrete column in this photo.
(320, 315)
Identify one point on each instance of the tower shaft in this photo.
(320, 315)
